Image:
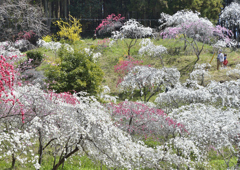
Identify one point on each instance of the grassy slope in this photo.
(183, 60)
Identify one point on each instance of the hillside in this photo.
(176, 57)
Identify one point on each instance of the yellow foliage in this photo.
(69, 30)
(47, 38)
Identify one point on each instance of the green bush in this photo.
(37, 56)
(74, 72)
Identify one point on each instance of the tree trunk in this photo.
(55, 167)
(40, 149)
(65, 9)
(13, 161)
(46, 9)
(185, 42)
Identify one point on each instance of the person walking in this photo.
(220, 59)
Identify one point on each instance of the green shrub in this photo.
(36, 56)
(74, 71)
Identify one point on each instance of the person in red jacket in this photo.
(225, 62)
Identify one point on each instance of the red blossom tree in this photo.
(7, 83)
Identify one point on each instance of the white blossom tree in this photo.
(89, 130)
(149, 81)
(213, 128)
(147, 47)
(132, 30)
(231, 13)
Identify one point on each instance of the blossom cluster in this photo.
(147, 47)
(110, 23)
(54, 46)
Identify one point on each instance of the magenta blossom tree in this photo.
(110, 23)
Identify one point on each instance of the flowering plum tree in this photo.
(89, 129)
(143, 121)
(7, 84)
(213, 128)
(124, 66)
(133, 30)
(105, 95)
(147, 47)
(149, 80)
(217, 94)
(111, 23)
(196, 28)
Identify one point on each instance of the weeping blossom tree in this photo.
(194, 29)
(142, 121)
(212, 128)
(149, 81)
(231, 15)
(210, 115)
(132, 30)
(148, 48)
(89, 130)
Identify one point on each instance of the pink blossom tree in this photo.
(124, 66)
(111, 23)
(194, 29)
(144, 121)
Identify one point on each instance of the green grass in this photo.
(73, 163)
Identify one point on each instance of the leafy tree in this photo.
(211, 9)
(75, 72)
(207, 8)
